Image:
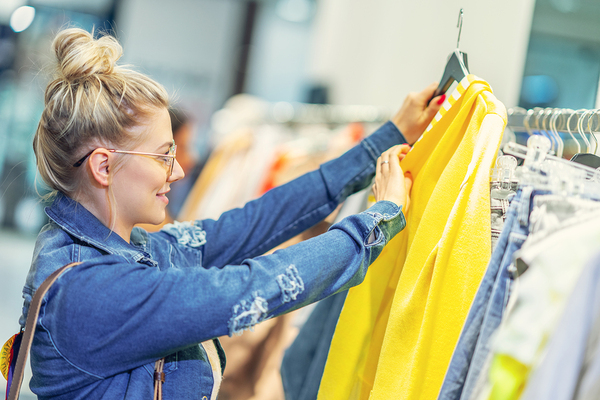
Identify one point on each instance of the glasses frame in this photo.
(170, 156)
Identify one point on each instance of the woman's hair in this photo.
(178, 119)
(90, 102)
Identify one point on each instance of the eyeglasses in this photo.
(168, 158)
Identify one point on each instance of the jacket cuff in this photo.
(388, 221)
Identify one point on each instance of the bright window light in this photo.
(21, 18)
(295, 10)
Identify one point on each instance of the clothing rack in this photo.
(582, 125)
(560, 119)
(538, 152)
(303, 113)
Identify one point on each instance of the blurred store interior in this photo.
(227, 61)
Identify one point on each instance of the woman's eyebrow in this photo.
(166, 145)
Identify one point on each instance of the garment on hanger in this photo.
(304, 361)
(485, 314)
(499, 211)
(398, 328)
(232, 147)
(251, 160)
(552, 259)
(570, 369)
(233, 173)
(550, 234)
(502, 189)
(533, 214)
(512, 346)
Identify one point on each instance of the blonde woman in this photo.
(141, 301)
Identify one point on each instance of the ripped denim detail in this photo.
(376, 237)
(247, 314)
(187, 233)
(290, 283)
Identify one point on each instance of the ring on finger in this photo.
(385, 162)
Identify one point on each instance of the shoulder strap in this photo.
(32, 316)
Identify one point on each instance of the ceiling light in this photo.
(21, 18)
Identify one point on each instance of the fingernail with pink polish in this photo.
(441, 100)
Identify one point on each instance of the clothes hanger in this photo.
(541, 125)
(539, 113)
(572, 113)
(457, 66)
(588, 158)
(592, 131)
(544, 171)
(516, 124)
(549, 115)
(581, 131)
(539, 120)
(556, 114)
(505, 169)
(526, 122)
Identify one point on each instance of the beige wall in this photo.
(376, 51)
(190, 46)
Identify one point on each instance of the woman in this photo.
(183, 134)
(104, 144)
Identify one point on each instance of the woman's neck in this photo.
(102, 211)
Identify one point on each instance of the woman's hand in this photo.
(415, 115)
(390, 182)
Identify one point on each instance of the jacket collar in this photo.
(75, 219)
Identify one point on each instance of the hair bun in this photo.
(79, 55)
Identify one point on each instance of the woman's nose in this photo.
(177, 172)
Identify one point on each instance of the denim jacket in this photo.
(104, 323)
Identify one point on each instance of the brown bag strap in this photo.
(159, 378)
(32, 316)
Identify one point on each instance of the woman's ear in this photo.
(100, 166)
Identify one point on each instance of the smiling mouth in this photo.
(162, 197)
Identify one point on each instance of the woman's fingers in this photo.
(415, 114)
(390, 182)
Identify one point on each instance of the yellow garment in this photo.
(398, 329)
(234, 146)
(508, 376)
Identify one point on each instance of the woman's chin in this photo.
(158, 218)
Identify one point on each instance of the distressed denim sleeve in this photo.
(290, 209)
(133, 314)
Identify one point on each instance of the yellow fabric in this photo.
(398, 329)
(508, 378)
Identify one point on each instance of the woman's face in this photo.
(141, 184)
